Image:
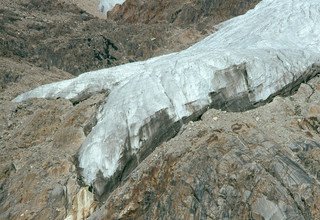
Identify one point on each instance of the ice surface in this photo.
(107, 5)
(275, 42)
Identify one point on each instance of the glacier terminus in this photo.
(248, 60)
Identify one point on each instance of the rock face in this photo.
(59, 34)
(237, 67)
(182, 13)
(258, 164)
(38, 143)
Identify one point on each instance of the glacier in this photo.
(246, 61)
(107, 5)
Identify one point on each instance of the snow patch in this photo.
(274, 44)
(107, 5)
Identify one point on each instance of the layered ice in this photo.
(107, 5)
(256, 54)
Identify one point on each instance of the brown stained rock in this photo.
(39, 140)
(36, 129)
(42, 164)
(59, 34)
(180, 12)
(83, 205)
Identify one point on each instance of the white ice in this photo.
(107, 5)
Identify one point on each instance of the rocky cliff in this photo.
(60, 34)
(201, 13)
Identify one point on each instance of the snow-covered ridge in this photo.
(107, 5)
(254, 55)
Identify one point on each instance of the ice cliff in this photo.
(249, 58)
(107, 5)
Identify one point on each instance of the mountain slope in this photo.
(256, 164)
(201, 13)
(247, 61)
(63, 34)
(40, 139)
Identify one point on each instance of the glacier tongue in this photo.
(249, 58)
